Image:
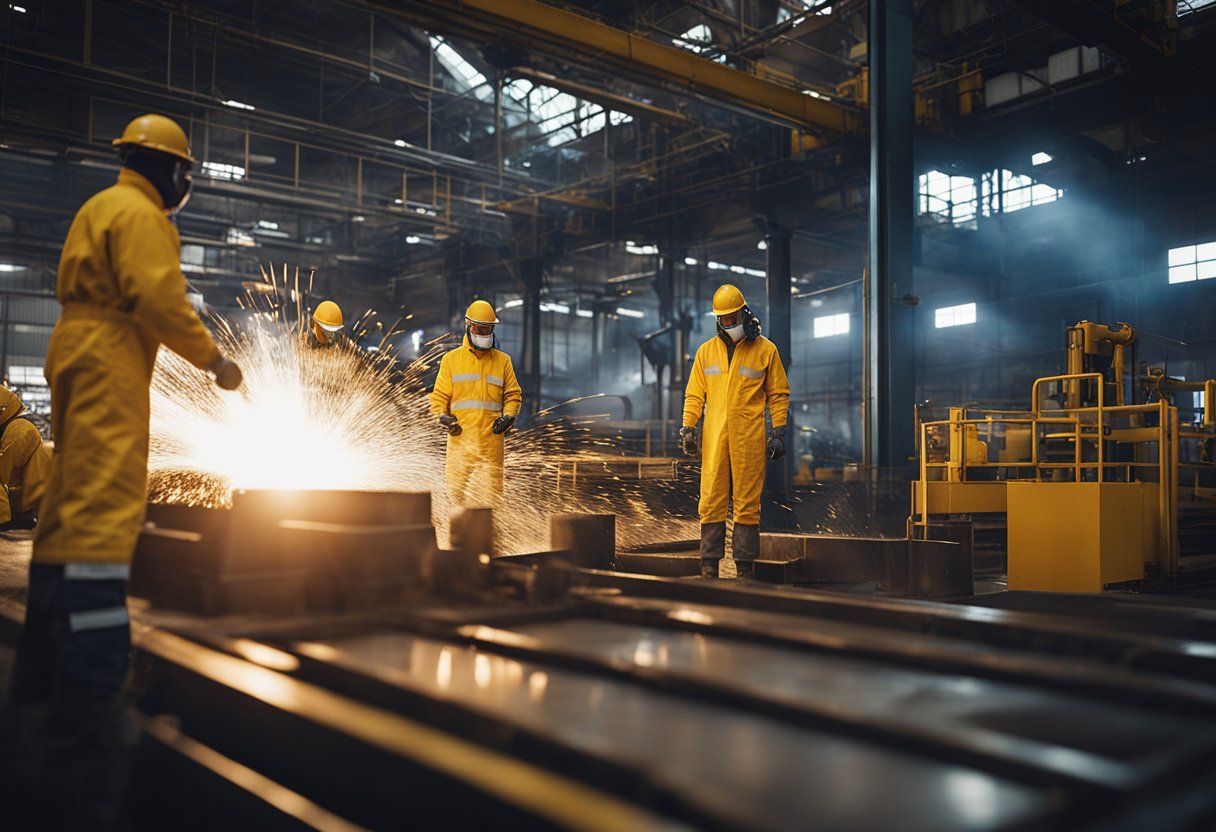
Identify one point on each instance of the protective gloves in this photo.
(776, 443)
(688, 441)
(227, 374)
(503, 423)
(448, 422)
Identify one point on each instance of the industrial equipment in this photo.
(1101, 482)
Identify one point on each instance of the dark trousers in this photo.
(65, 734)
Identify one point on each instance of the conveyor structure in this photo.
(557, 692)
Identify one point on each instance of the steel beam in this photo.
(540, 27)
(889, 327)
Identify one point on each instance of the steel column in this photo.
(889, 328)
(777, 330)
(532, 276)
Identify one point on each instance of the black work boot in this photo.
(713, 548)
(746, 548)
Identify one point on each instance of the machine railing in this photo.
(951, 448)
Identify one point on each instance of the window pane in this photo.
(1182, 255)
(1181, 274)
(1205, 251)
(954, 315)
(1207, 269)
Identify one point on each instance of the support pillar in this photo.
(889, 325)
(777, 329)
(532, 276)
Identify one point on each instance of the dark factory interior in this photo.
(608, 414)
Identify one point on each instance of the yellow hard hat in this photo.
(328, 316)
(156, 133)
(728, 299)
(480, 312)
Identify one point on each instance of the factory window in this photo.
(699, 39)
(466, 75)
(948, 198)
(560, 116)
(810, 6)
(1189, 263)
(1185, 7)
(1006, 191)
(220, 170)
(828, 325)
(954, 315)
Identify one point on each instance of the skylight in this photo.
(560, 116)
(1186, 7)
(954, 199)
(699, 39)
(466, 75)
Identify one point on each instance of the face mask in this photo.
(482, 342)
(735, 332)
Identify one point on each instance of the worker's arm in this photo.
(18, 444)
(694, 393)
(512, 396)
(145, 253)
(777, 391)
(441, 396)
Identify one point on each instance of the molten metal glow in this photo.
(341, 418)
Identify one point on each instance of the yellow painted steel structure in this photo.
(550, 29)
(1091, 492)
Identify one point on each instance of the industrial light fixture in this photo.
(512, 304)
(584, 313)
(762, 245)
(10, 267)
(400, 142)
(238, 105)
(1041, 158)
(626, 312)
(690, 261)
(413, 239)
(358, 218)
(560, 308)
(18, 9)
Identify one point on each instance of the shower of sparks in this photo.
(341, 418)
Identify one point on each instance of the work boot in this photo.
(713, 548)
(746, 548)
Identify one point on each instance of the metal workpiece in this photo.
(278, 552)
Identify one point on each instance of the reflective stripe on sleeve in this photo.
(476, 405)
(748, 372)
(97, 571)
(495, 380)
(713, 370)
(466, 377)
(97, 619)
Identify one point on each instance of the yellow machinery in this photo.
(1093, 486)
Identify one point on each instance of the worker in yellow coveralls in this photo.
(25, 464)
(123, 295)
(734, 376)
(477, 399)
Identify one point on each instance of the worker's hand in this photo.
(227, 374)
(688, 441)
(776, 444)
(503, 423)
(448, 422)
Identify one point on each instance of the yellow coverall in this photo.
(25, 460)
(475, 386)
(123, 295)
(733, 395)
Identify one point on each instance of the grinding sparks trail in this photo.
(340, 418)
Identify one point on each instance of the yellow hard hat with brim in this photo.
(154, 132)
(328, 316)
(480, 312)
(728, 299)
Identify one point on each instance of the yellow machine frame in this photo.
(1083, 445)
